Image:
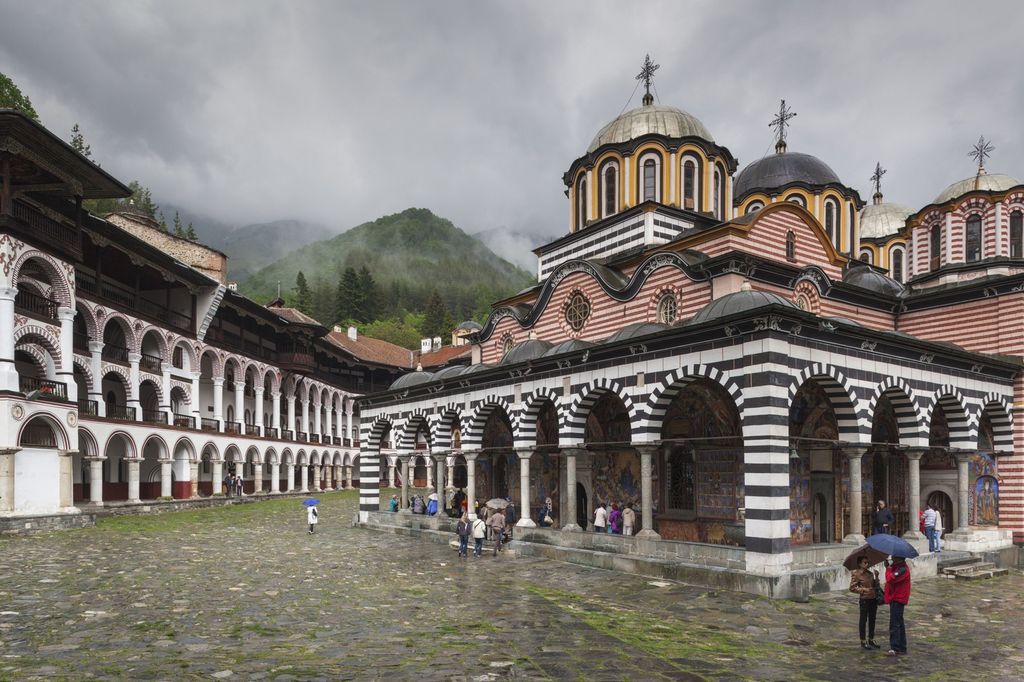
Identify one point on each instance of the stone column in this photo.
(316, 477)
(66, 372)
(471, 482)
(96, 365)
(275, 478)
(963, 460)
(66, 469)
(257, 417)
(646, 451)
(442, 498)
(317, 410)
(430, 473)
(391, 473)
(275, 412)
(218, 402)
(914, 482)
(7, 474)
(348, 420)
(854, 455)
(197, 412)
(193, 479)
(217, 473)
(291, 415)
(289, 484)
(450, 476)
(240, 402)
(328, 470)
(404, 502)
(165, 477)
(304, 424)
(257, 478)
(348, 476)
(327, 429)
(8, 372)
(568, 515)
(524, 488)
(133, 385)
(133, 480)
(95, 480)
(304, 475)
(165, 380)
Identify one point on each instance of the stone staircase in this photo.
(966, 566)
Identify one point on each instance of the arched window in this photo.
(1017, 235)
(507, 345)
(689, 185)
(791, 245)
(972, 241)
(667, 309)
(896, 264)
(831, 220)
(936, 246)
(650, 180)
(610, 190)
(866, 256)
(797, 199)
(754, 207)
(581, 202)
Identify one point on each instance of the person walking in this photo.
(929, 527)
(882, 521)
(497, 524)
(864, 582)
(628, 519)
(479, 529)
(432, 504)
(615, 519)
(938, 530)
(897, 596)
(600, 518)
(417, 504)
(312, 517)
(228, 484)
(462, 529)
(394, 503)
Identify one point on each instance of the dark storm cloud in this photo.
(252, 111)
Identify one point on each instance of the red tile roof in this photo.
(373, 350)
(444, 356)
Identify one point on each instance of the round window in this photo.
(577, 311)
(506, 345)
(667, 309)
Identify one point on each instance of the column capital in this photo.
(134, 357)
(9, 451)
(88, 458)
(855, 450)
(440, 455)
(470, 455)
(95, 346)
(8, 293)
(276, 395)
(67, 453)
(962, 456)
(524, 453)
(218, 381)
(574, 450)
(66, 313)
(915, 453)
(258, 390)
(648, 448)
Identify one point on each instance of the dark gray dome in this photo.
(412, 379)
(449, 371)
(636, 329)
(471, 325)
(732, 304)
(479, 367)
(527, 350)
(779, 170)
(568, 347)
(872, 280)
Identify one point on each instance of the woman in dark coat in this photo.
(882, 521)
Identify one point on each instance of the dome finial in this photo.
(780, 123)
(647, 76)
(876, 178)
(981, 151)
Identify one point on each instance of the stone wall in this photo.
(26, 525)
(204, 259)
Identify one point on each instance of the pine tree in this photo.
(162, 222)
(190, 233)
(303, 297)
(367, 295)
(11, 97)
(434, 316)
(347, 296)
(78, 142)
(179, 231)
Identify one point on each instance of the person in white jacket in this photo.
(312, 516)
(479, 531)
(938, 531)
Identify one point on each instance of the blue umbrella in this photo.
(313, 503)
(892, 545)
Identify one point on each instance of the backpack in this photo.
(462, 529)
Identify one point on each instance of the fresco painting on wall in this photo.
(986, 501)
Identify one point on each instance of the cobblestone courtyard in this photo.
(245, 593)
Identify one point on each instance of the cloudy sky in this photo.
(252, 111)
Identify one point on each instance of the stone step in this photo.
(973, 567)
(981, 574)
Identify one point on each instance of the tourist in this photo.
(600, 518)
(497, 524)
(417, 504)
(897, 596)
(628, 519)
(544, 514)
(882, 520)
(239, 485)
(312, 517)
(229, 484)
(462, 529)
(394, 503)
(863, 582)
(615, 519)
(479, 531)
(432, 504)
(938, 530)
(929, 527)
(459, 502)
(510, 512)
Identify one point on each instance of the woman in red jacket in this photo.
(897, 596)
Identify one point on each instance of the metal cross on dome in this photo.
(876, 177)
(781, 122)
(647, 73)
(981, 151)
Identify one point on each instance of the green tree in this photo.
(179, 231)
(434, 315)
(78, 142)
(401, 332)
(303, 298)
(367, 300)
(11, 97)
(346, 297)
(190, 233)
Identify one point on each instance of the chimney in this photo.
(338, 329)
(233, 286)
(425, 346)
(436, 343)
(353, 334)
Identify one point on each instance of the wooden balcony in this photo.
(42, 389)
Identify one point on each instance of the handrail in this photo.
(207, 424)
(184, 421)
(34, 304)
(44, 389)
(154, 416)
(122, 412)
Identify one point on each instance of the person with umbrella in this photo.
(897, 596)
(312, 515)
(864, 582)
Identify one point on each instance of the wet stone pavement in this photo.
(244, 593)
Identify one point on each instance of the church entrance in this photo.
(941, 502)
(582, 517)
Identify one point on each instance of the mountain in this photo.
(409, 254)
